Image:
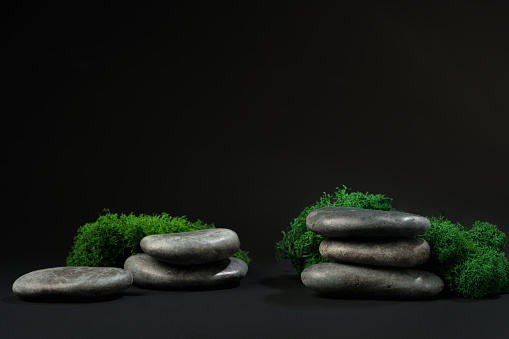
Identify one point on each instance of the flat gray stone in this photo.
(72, 282)
(150, 273)
(394, 252)
(358, 222)
(364, 281)
(192, 248)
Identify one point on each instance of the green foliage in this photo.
(243, 255)
(111, 238)
(472, 263)
(300, 245)
(448, 242)
(486, 234)
(484, 273)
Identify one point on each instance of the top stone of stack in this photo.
(357, 222)
(192, 248)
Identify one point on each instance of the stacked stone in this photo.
(188, 260)
(373, 252)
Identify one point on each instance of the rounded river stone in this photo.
(363, 281)
(72, 282)
(359, 222)
(394, 252)
(192, 248)
(151, 273)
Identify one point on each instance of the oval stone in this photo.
(151, 273)
(72, 282)
(362, 281)
(359, 222)
(394, 252)
(192, 248)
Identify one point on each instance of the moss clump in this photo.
(484, 273)
(484, 234)
(300, 245)
(111, 238)
(471, 262)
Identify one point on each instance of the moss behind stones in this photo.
(111, 238)
(471, 262)
(300, 245)
(484, 234)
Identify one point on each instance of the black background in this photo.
(243, 113)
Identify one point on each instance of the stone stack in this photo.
(373, 253)
(188, 260)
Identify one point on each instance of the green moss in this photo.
(483, 273)
(449, 243)
(484, 234)
(111, 238)
(243, 255)
(471, 262)
(300, 245)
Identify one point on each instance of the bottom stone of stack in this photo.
(365, 281)
(148, 272)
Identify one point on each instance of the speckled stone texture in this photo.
(364, 281)
(393, 252)
(150, 273)
(192, 248)
(358, 222)
(72, 282)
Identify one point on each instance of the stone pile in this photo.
(188, 260)
(373, 253)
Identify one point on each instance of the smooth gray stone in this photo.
(359, 222)
(364, 281)
(192, 248)
(394, 252)
(151, 273)
(72, 282)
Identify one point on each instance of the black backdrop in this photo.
(243, 113)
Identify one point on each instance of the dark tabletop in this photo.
(270, 302)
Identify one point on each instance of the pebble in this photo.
(362, 281)
(192, 248)
(352, 222)
(72, 282)
(150, 273)
(394, 252)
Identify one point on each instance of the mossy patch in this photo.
(112, 237)
(471, 262)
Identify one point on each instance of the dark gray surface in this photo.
(394, 252)
(349, 222)
(151, 273)
(270, 302)
(363, 281)
(72, 282)
(192, 248)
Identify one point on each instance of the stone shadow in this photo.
(145, 290)
(59, 300)
(292, 292)
(454, 298)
